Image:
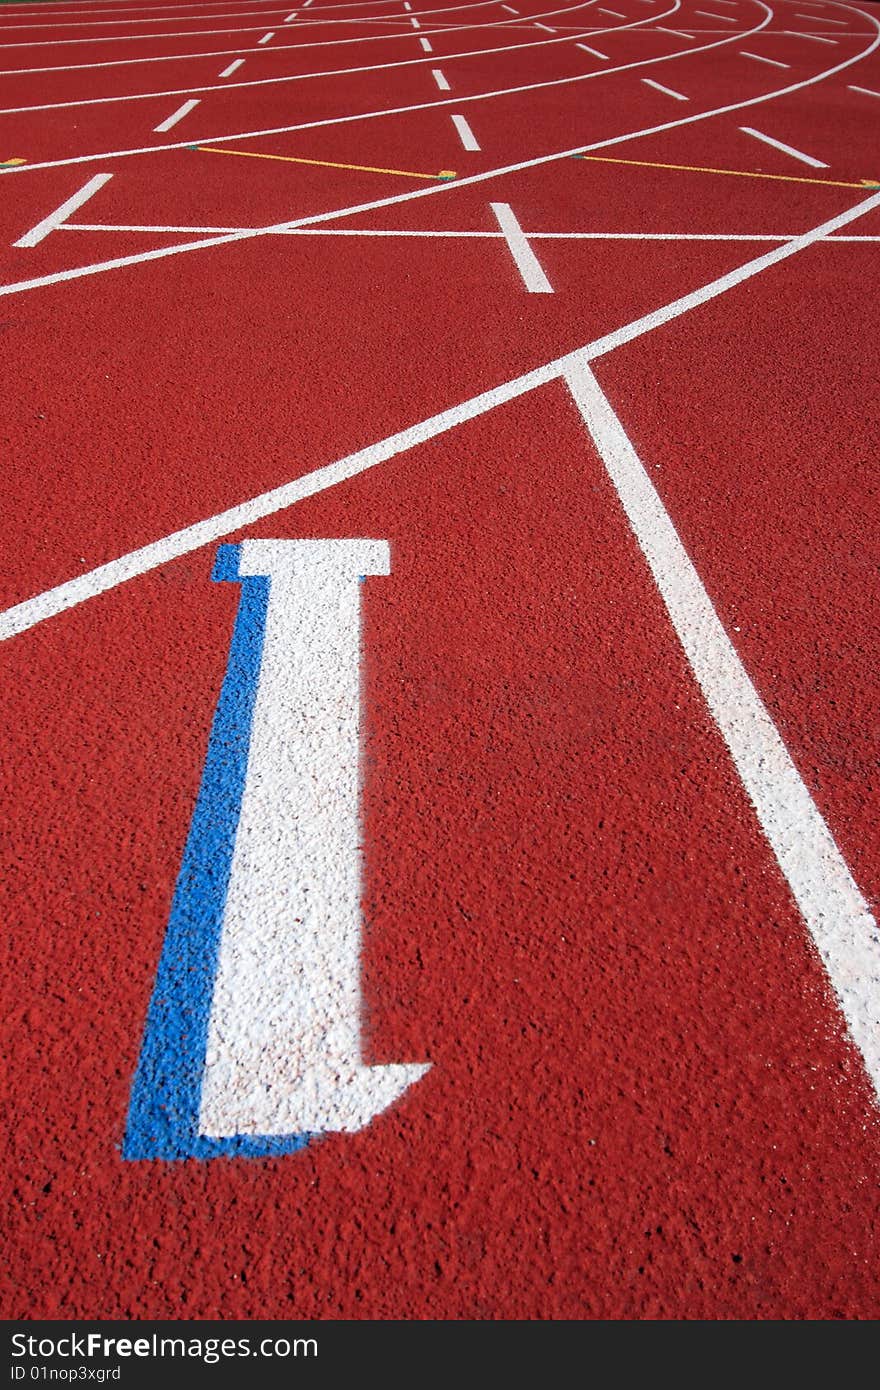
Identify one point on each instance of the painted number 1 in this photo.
(253, 1042)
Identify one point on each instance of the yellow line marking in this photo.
(8, 163)
(737, 173)
(327, 163)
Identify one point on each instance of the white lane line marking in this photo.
(307, 3)
(99, 268)
(177, 115)
(865, 91)
(615, 14)
(440, 79)
(509, 9)
(524, 258)
(60, 215)
(759, 58)
(667, 91)
(284, 1036)
(407, 5)
(834, 910)
(820, 19)
(233, 67)
(426, 45)
(677, 32)
(814, 38)
(545, 27)
(267, 37)
(439, 235)
(414, 22)
(465, 134)
(291, 17)
(595, 52)
(28, 613)
(786, 149)
(724, 18)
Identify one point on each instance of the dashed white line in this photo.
(414, 22)
(440, 79)
(615, 14)
(524, 258)
(759, 58)
(267, 37)
(426, 45)
(677, 32)
(724, 18)
(595, 52)
(177, 115)
(545, 27)
(465, 134)
(865, 91)
(291, 17)
(667, 91)
(233, 67)
(56, 218)
(509, 9)
(786, 149)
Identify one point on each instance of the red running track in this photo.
(647, 1097)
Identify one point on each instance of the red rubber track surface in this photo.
(643, 1099)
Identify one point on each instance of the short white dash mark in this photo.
(525, 260)
(814, 38)
(414, 22)
(546, 28)
(724, 18)
(426, 45)
(667, 91)
(865, 91)
(59, 216)
(233, 67)
(177, 115)
(759, 58)
(786, 149)
(290, 18)
(267, 37)
(595, 52)
(465, 134)
(440, 79)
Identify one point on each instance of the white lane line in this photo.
(59, 216)
(813, 38)
(465, 134)
(786, 149)
(836, 914)
(233, 67)
(820, 19)
(440, 80)
(667, 91)
(267, 37)
(524, 258)
(177, 115)
(439, 235)
(759, 58)
(595, 52)
(28, 613)
(121, 262)
(724, 18)
(426, 45)
(865, 91)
